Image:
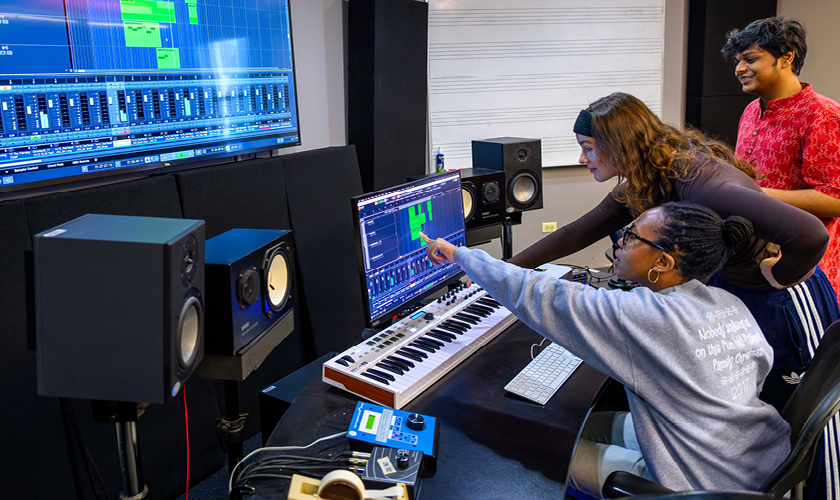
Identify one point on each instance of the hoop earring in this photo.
(657, 276)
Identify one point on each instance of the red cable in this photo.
(187, 427)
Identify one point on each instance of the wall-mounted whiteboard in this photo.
(525, 68)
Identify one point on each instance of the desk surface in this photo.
(492, 444)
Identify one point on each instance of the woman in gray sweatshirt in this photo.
(691, 357)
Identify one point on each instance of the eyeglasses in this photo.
(629, 236)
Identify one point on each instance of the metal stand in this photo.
(511, 220)
(231, 425)
(125, 416)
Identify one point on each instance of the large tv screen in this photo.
(92, 88)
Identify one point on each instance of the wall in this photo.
(317, 34)
(571, 191)
(821, 63)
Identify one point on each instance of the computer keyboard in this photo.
(544, 375)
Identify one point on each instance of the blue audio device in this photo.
(382, 426)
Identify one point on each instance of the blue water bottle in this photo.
(439, 161)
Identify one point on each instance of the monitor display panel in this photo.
(92, 88)
(392, 260)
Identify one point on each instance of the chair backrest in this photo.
(810, 407)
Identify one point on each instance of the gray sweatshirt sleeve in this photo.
(585, 320)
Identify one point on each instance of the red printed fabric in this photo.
(796, 145)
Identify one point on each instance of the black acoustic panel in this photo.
(708, 73)
(319, 185)
(387, 89)
(717, 116)
(248, 194)
(36, 421)
(152, 197)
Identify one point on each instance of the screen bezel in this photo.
(383, 319)
(105, 177)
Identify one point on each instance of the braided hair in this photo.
(699, 239)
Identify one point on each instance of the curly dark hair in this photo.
(777, 35)
(648, 153)
(699, 239)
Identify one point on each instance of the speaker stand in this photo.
(511, 220)
(125, 416)
(231, 425)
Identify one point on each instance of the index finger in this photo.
(426, 238)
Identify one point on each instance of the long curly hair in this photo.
(648, 153)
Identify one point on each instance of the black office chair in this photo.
(812, 404)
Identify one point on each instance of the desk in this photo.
(492, 444)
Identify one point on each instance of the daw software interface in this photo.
(395, 272)
(91, 86)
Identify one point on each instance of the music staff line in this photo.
(539, 48)
(507, 83)
(523, 16)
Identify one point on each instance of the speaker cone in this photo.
(277, 278)
(491, 192)
(247, 287)
(523, 189)
(189, 331)
(468, 199)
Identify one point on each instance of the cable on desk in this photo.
(233, 474)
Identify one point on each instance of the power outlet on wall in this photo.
(549, 227)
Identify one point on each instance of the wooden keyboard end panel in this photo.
(358, 387)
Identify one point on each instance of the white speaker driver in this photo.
(189, 331)
(523, 189)
(277, 279)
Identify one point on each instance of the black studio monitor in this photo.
(119, 304)
(521, 161)
(250, 286)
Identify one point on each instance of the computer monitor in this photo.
(392, 259)
(90, 89)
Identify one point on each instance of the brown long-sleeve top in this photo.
(726, 190)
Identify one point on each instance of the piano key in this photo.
(469, 318)
(422, 354)
(390, 368)
(489, 302)
(466, 326)
(375, 377)
(381, 374)
(409, 354)
(480, 310)
(431, 341)
(421, 346)
(399, 361)
(449, 329)
(442, 335)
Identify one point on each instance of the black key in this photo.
(454, 326)
(390, 368)
(422, 347)
(432, 341)
(375, 377)
(450, 329)
(417, 353)
(466, 326)
(468, 318)
(489, 302)
(446, 333)
(402, 362)
(446, 337)
(480, 310)
(410, 354)
(399, 366)
(433, 344)
(381, 374)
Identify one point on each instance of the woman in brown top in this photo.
(775, 273)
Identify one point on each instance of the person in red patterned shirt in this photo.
(791, 135)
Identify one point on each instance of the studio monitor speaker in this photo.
(250, 286)
(521, 160)
(119, 304)
(482, 191)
